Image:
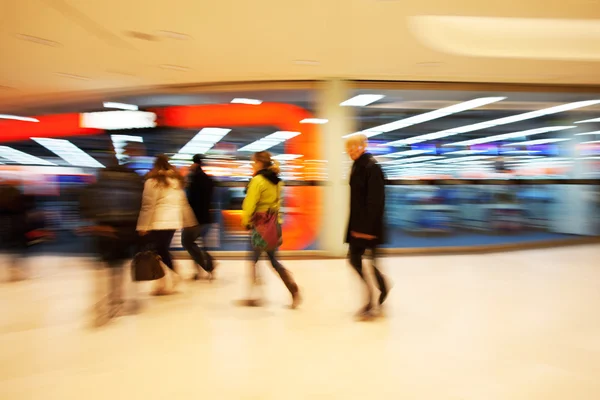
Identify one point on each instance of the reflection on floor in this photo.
(508, 326)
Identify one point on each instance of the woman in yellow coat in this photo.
(261, 213)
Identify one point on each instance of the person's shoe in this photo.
(296, 300)
(249, 303)
(365, 313)
(161, 292)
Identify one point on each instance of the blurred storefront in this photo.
(468, 166)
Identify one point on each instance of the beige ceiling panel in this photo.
(548, 39)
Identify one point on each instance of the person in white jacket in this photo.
(165, 210)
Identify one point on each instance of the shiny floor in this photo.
(522, 325)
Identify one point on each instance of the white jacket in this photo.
(165, 208)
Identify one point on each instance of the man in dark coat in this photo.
(366, 225)
(200, 192)
(111, 206)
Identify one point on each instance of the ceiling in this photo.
(77, 46)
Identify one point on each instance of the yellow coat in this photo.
(261, 196)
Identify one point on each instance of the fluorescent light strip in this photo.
(588, 120)
(69, 152)
(495, 122)
(512, 135)
(120, 106)
(592, 142)
(416, 159)
(536, 142)
(428, 116)
(362, 100)
(120, 141)
(462, 159)
(465, 152)
(316, 121)
(287, 157)
(116, 120)
(252, 102)
(409, 153)
(18, 118)
(588, 133)
(269, 141)
(20, 157)
(204, 141)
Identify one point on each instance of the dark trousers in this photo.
(356, 260)
(199, 254)
(284, 274)
(162, 244)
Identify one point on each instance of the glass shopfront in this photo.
(466, 167)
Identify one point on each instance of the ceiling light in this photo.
(536, 142)
(175, 67)
(185, 157)
(69, 152)
(465, 152)
(417, 159)
(408, 153)
(462, 159)
(115, 120)
(252, 102)
(269, 141)
(18, 118)
(428, 116)
(287, 157)
(120, 106)
(362, 100)
(20, 157)
(588, 120)
(592, 142)
(588, 133)
(496, 122)
(513, 135)
(120, 141)
(38, 40)
(316, 121)
(204, 141)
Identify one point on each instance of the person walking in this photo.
(112, 205)
(165, 210)
(13, 240)
(263, 199)
(365, 223)
(199, 193)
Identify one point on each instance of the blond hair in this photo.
(265, 158)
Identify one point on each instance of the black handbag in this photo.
(146, 265)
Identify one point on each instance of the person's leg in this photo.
(162, 241)
(286, 277)
(188, 240)
(381, 281)
(209, 261)
(355, 259)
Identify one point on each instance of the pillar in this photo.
(336, 192)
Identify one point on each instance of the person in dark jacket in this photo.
(13, 241)
(112, 205)
(366, 221)
(200, 193)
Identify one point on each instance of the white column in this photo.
(336, 193)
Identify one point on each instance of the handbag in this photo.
(146, 266)
(266, 229)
